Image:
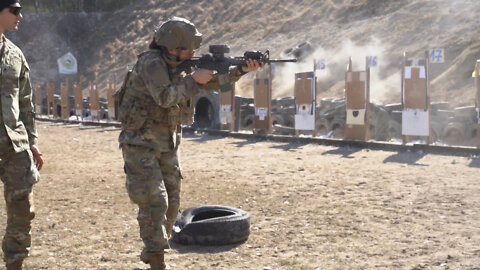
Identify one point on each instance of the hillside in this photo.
(337, 29)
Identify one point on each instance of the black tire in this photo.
(277, 119)
(394, 130)
(322, 126)
(211, 225)
(247, 122)
(207, 110)
(454, 133)
(337, 126)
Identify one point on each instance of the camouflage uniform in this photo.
(17, 167)
(154, 105)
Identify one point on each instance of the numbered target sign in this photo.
(437, 56)
(320, 64)
(372, 61)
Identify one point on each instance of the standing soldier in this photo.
(20, 159)
(153, 104)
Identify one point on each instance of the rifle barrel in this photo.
(293, 60)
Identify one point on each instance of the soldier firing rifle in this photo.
(217, 61)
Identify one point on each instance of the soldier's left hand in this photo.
(37, 156)
(252, 65)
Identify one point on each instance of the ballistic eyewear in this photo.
(15, 10)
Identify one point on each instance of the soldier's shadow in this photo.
(244, 142)
(183, 249)
(200, 137)
(345, 152)
(409, 158)
(291, 146)
(201, 249)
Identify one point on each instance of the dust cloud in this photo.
(383, 84)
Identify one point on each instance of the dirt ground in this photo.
(312, 206)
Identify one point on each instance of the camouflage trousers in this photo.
(18, 174)
(153, 181)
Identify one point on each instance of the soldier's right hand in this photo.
(38, 156)
(202, 76)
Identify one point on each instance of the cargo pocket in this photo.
(187, 111)
(137, 191)
(174, 115)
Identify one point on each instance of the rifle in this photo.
(220, 63)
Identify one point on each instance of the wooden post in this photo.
(94, 102)
(357, 125)
(427, 88)
(227, 109)
(368, 134)
(415, 99)
(262, 92)
(115, 117)
(405, 138)
(476, 74)
(477, 83)
(64, 99)
(50, 100)
(315, 97)
(305, 94)
(110, 99)
(77, 89)
(270, 92)
(38, 99)
(236, 113)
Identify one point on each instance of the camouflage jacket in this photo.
(17, 118)
(156, 102)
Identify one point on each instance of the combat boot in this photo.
(157, 261)
(16, 265)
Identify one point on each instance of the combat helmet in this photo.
(178, 33)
